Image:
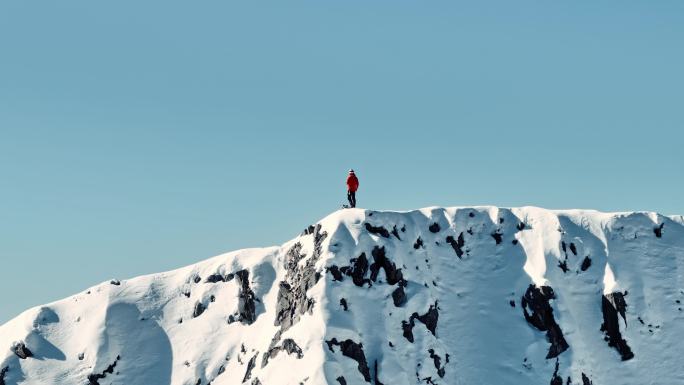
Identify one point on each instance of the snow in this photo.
(148, 331)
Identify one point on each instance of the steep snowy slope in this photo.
(476, 295)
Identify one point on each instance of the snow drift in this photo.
(477, 295)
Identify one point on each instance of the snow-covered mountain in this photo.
(479, 295)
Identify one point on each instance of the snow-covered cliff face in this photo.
(437, 296)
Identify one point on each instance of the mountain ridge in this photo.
(432, 296)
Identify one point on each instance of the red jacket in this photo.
(352, 182)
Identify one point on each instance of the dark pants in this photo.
(351, 195)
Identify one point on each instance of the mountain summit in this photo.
(448, 296)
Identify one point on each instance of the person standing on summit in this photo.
(352, 186)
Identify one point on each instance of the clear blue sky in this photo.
(137, 137)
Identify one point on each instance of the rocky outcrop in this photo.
(437, 360)
(354, 351)
(376, 374)
(94, 379)
(457, 244)
(381, 261)
(612, 305)
(357, 270)
(399, 296)
(539, 313)
(250, 366)
(288, 345)
(292, 301)
(246, 304)
(555, 378)
(199, 309)
(658, 230)
(214, 278)
(3, 373)
(377, 230)
(586, 263)
(429, 319)
(21, 351)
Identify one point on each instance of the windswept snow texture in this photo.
(452, 296)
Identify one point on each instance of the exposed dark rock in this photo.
(341, 380)
(375, 377)
(407, 328)
(658, 230)
(520, 226)
(395, 232)
(573, 248)
(393, 274)
(94, 379)
(292, 301)
(115, 282)
(3, 373)
(354, 351)
(291, 347)
(498, 236)
(564, 246)
(293, 256)
(556, 379)
(256, 382)
(539, 313)
(246, 304)
(429, 319)
(515, 241)
(336, 273)
(309, 230)
(199, 309)
(471, 214)
(418, 244)
(614, 304)
(434, 228)
(512, 303)
(214, 278)
(438, 363)
(457, 244)
(250, 366)
(564, 265)
(586, 380)
(399, 297)
(288, 345)
(378, 230)
(21, 351)
(586, 263)
(343, 303)
(196, 279)
(358, 270)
